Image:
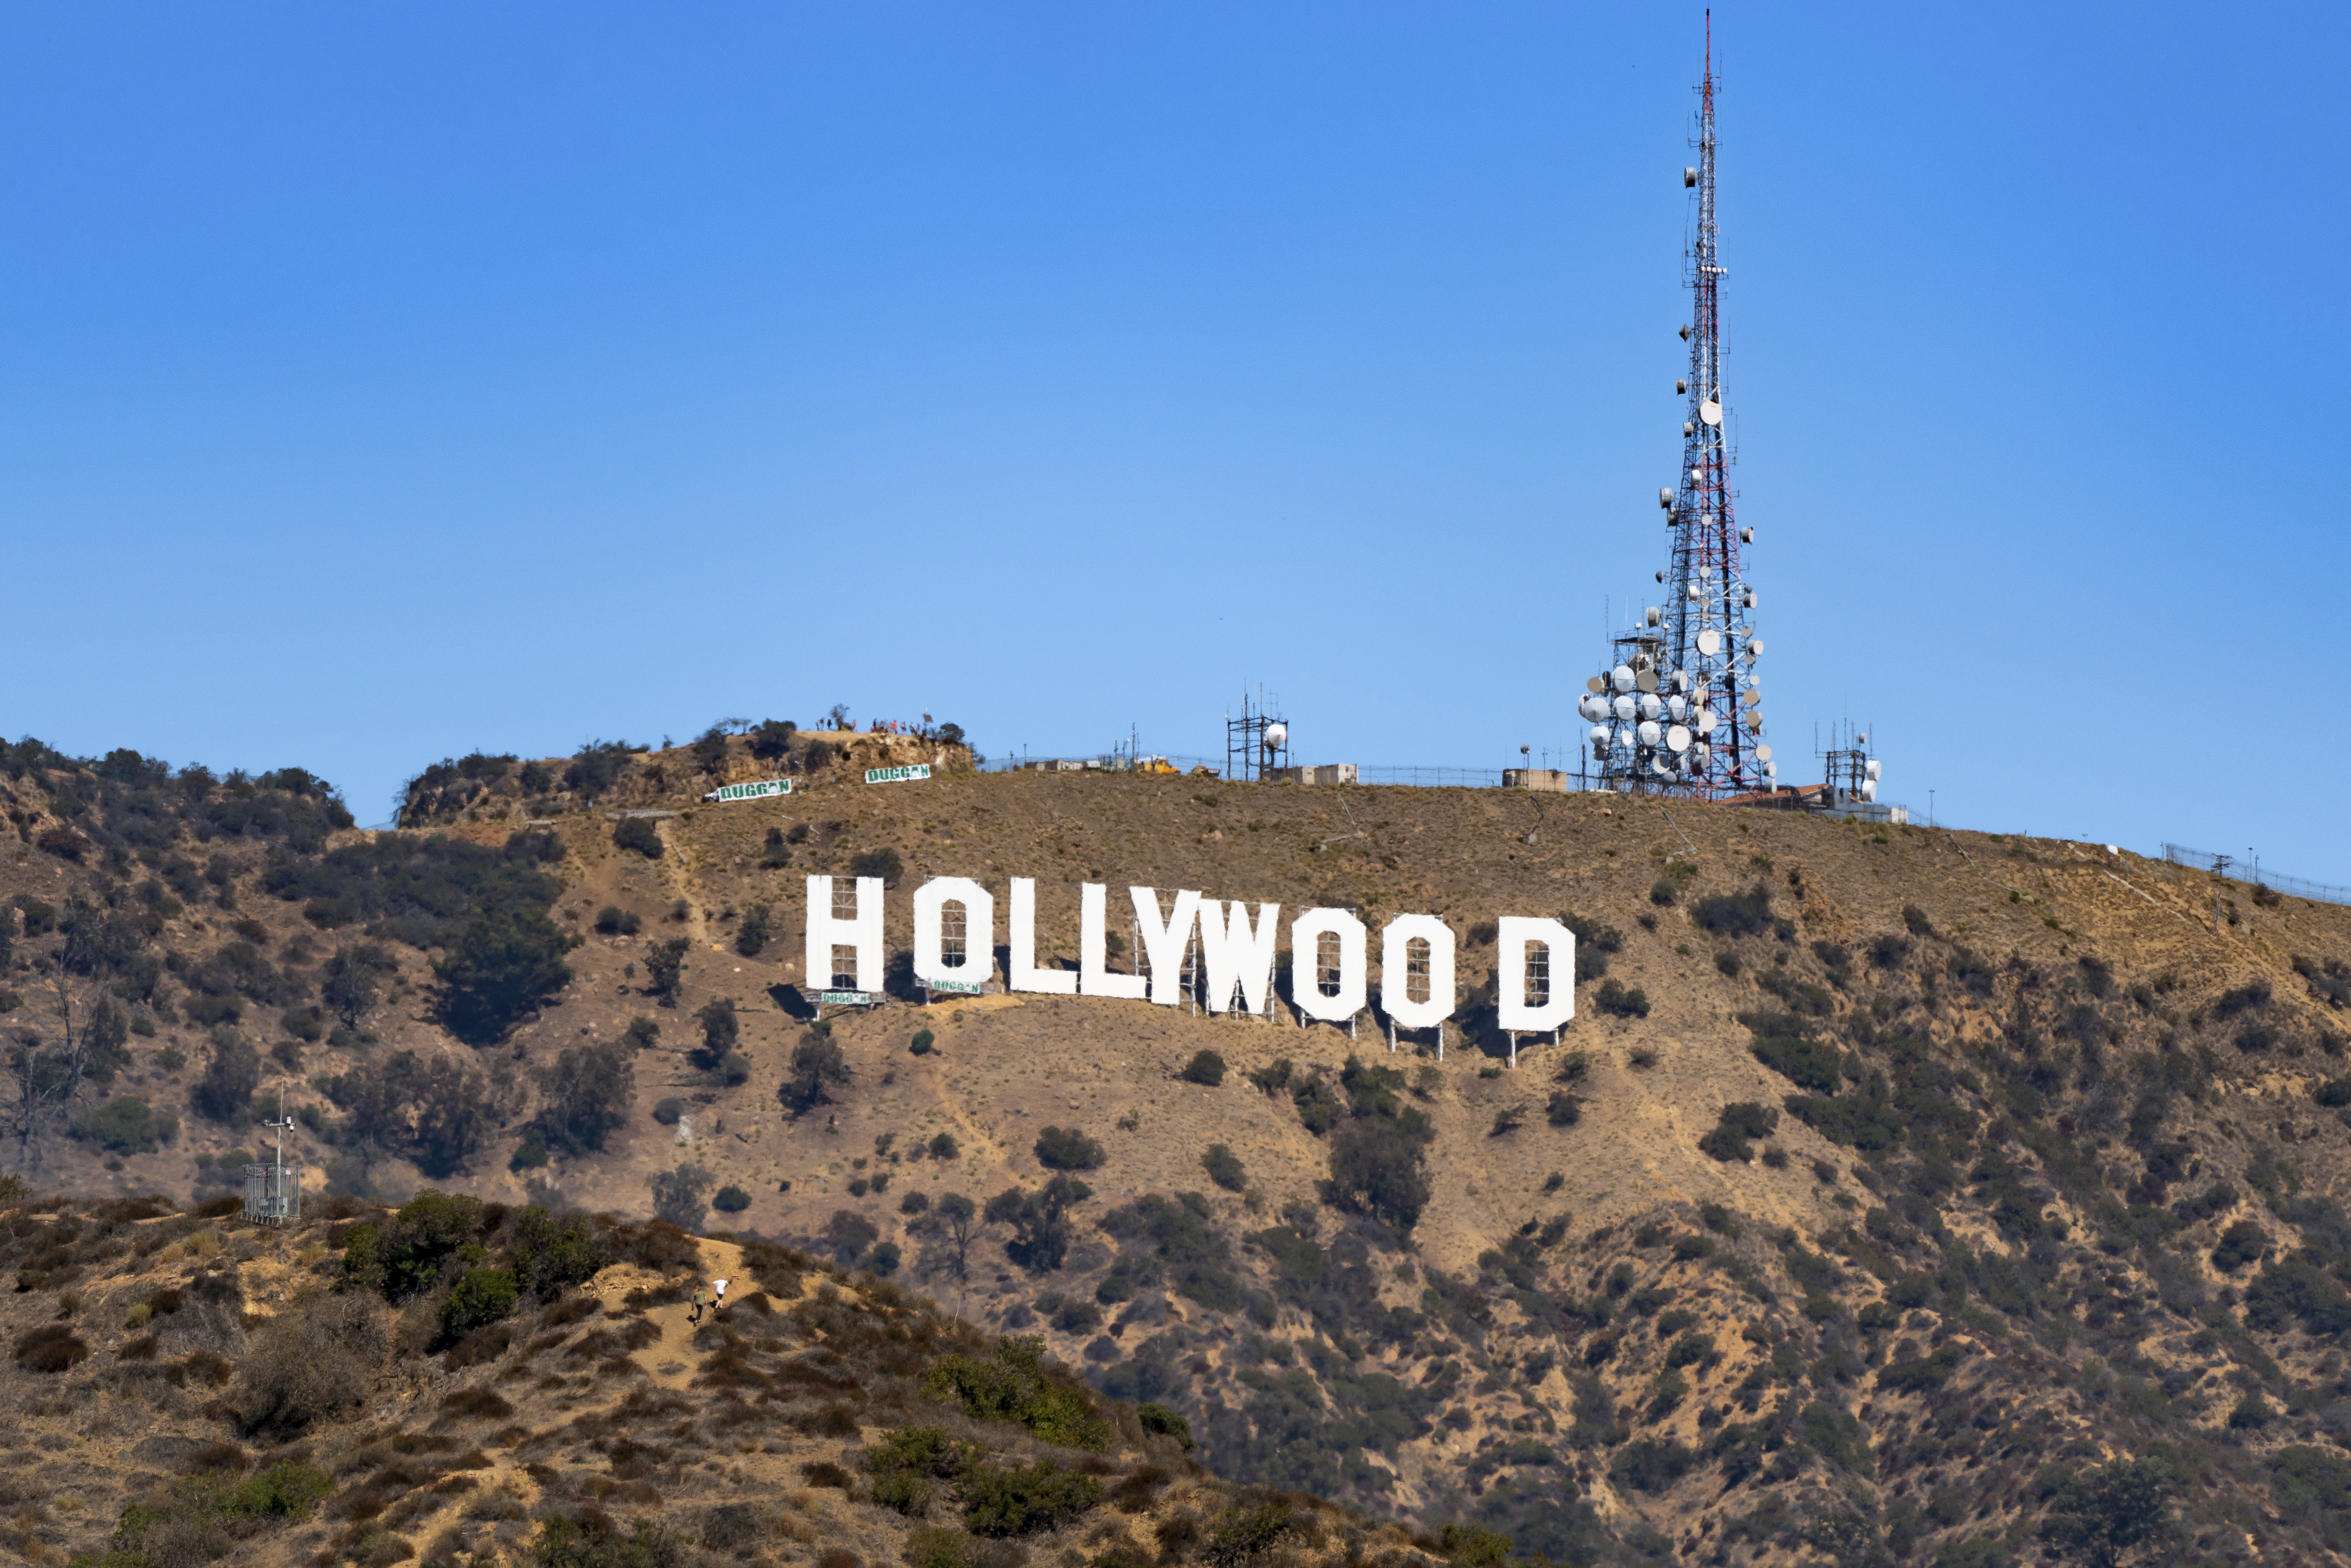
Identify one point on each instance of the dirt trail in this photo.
(671, 1360)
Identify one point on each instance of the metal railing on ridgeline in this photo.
(2228, 866)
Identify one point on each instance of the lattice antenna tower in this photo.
(1677, 710)
(1257, 744)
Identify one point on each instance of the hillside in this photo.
(1894, 1196)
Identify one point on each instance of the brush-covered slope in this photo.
(186, 1393)
(1896, 1195)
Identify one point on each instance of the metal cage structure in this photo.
(273, 1194)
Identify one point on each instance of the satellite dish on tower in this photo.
(1677, 739)
(1277, 735)
(1762, 754)
(1647, 680)
(1710, 410)
(1710, 642)
(1597, 683)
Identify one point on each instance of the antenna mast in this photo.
(1678, 711)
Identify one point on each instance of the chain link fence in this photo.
(2225, 865)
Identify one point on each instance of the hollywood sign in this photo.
(1234, 953)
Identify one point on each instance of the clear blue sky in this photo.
(379, 382)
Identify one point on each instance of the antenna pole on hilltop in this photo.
(1676, 711)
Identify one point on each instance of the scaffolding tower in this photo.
(1257, 744)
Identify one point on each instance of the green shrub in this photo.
(127, 1124)
(224, 1093)
(1243, 1535)
(2101, 1514)
(207, 1514)
(1224, 1168)
(531, 1153)
(1205, 1067)
(751, 933)
(1735, 913)
(406, 1256)
(585, 1096)
(921, 1044)
(1782, 1043)
(1651, 1464)
(664, 962)
(481, 1298)
(639, 836)
(1160, 1421)
(816, 1067)
(2241, 1244)
(1320, 1109)
(774, 854)
(934, 1548)
(594, 1541)
(615, 921)
(1021, 1499)
(1740, 1120)
(667, 1111)
(501, 967)
(1472, 1546)
(906, 1462)
(943, 1147)
(1039, 1221)
(418, 888)
(552, 1254)
(1857, 1121)
(720, 1031)
(1379, 1166)
(1013, 1385)
(884, 863)
(678, 1197)
(1068, 1149)
(730, 1199)
(1619, 1002)
(771, 740)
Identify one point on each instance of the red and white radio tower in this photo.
(1677, 710)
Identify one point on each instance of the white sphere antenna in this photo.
(1277, 735)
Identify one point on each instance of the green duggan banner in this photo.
(758, 791)
(898, 775)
